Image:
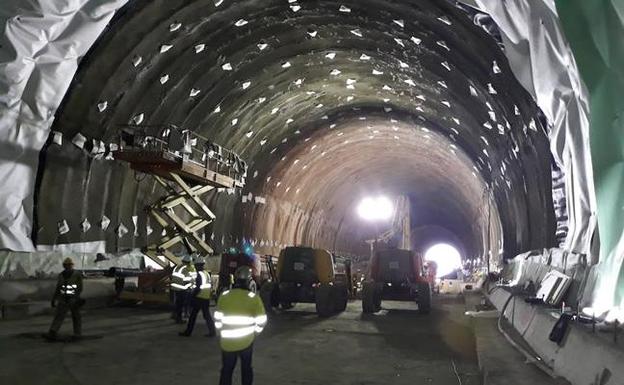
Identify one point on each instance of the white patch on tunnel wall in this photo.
(136, 60)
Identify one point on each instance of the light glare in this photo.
(375, 208)
(446, 257)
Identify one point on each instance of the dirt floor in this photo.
(141, 346)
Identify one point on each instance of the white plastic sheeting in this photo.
(20, 265)
(44, 40)
(542, 61)
(40, 47)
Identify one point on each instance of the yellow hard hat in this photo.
(68, 261)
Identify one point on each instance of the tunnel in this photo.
(491, 127)
(326, 103)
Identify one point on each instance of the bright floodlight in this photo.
(446, 257)
(375, 208)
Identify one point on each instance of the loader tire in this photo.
(368, 298)
(424, 298)
(269, 294)
(287, 295)
(325, 300)
(341, 298)
(377, 296)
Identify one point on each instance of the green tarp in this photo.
(595, 30)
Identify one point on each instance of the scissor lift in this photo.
(187, 166)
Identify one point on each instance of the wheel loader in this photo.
(399, 275)
(309, 275)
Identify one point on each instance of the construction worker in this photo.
(200, 299)
(181, 283)
(67, 293)
(239, 318)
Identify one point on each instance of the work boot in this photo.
(51, 335)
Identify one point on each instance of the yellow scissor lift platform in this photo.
(187, 166)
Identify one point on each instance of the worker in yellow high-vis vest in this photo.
(240, 317)
(182, 279)
(201, 293)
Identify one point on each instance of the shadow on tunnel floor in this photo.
(437, 335)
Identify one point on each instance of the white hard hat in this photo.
(187, 258)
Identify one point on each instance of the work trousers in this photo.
(180, 298)
(197, 305)
(63, 306)
(229, 363)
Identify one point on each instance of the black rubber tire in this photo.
(267, 294)
(377, 296)
(424, 298)
(324, 298)
(368, 298)
(287, 295)
(341, 298)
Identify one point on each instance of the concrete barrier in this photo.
(584, 358)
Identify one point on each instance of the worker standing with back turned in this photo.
(181, 283)
(240, 316)
(67, 293)
(200, 299)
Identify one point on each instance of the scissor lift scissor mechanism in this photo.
(187, 166)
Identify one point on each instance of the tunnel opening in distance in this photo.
(446, 257)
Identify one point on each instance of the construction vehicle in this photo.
(262, 269)
(152, 285)
(232, 260)
(308, 275)
(396, 274)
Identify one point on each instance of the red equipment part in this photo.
(399, 275)
(232, 261)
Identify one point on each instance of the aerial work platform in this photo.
(163, 150)
(187, 166)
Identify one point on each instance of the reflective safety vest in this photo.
(239, 317)
(67, 289)
(181, 278)
(71, 286)
(205, 285)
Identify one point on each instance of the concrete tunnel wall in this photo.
(398, 97)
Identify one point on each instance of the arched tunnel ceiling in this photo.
(377, 156)
(268, 78)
